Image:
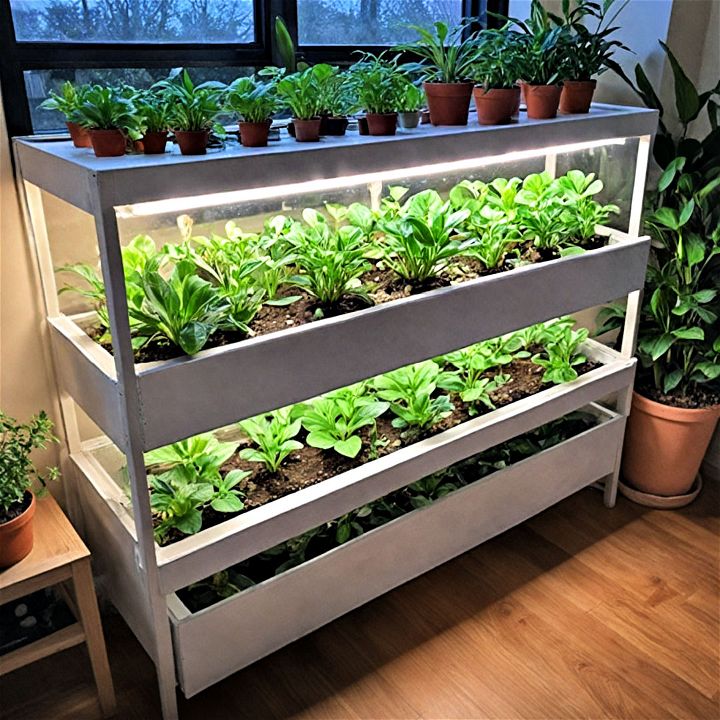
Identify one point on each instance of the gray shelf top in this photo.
(91, 183)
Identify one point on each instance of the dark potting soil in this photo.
(16, 509)
(382, 285)
(310, 465)
(696, 399)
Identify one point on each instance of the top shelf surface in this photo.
(93, 184)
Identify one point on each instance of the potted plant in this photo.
(410, 100)
(445, 62)
(591, 50)
(302, 93)
(154, 115)
(193, 110)
(17, 501)
(254, 102)
(676, 403)
(495, 73)
(110, 119)
(67, 103)
(378, 83)
(541, 55)
(337, 102)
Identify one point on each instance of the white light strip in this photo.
(184, 204)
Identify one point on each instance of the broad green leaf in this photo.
(320, 440)
(669, 175)
(687, 100)
(687, 212)
(689, 334)
(349, 448)
(666, 216)
(672, 380)
(227, 503)
(661, 345)
(190, 523)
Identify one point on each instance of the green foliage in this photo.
(562, 355)
(178, 501)
(17, 442)
(67, 101)
(252, 100)
(337, 94)
(496, 62)
(104, 108)
(302, 92)
(192, 107)
(153, 111)
(410, 98)
(273, 434)
(201, 456)
(378, 83)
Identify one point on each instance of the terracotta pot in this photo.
(448, 103)
(79, 135)
(542, 100)
(107, 143)
(254, 134)
(520, 100)
(16, 536)
(307, 130)
(153, 142)
(363, 126)
(665, 445)
(409, 120)
(496, 105)
(334, 126)
(382, 123)
(192, 142)
(576, 96)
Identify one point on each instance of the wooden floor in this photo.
(580, 613)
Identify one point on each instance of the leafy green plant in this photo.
(410, 98)
(337, 94)
(563, 355)
(67, 101)
(302, 92)
(494, 237)
(103, 108)
(584, 213)
(495, 65)
(153, 111)
(332, 421)
(201, 456)
(193, 107)
(378, 83)
(273, 434)
(17, 472)
(430, 489)
(252, 100)
(178, 501)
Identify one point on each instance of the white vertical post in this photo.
(551, 164)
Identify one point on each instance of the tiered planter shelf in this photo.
(143, 406)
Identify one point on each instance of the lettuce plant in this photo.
(273, 435)
(494, 237)
(201, 455)
(563, 355)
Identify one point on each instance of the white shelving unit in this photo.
(144, 406)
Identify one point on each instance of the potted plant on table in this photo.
(17, 501)
(110, 119)
(154, 116)
(378, 83)
(445, 61)
(302, 93)
(496, 93)
(337, 102)
(193, 110)
(254, 102)
(590, 51)
(676, 403)
(410, 99)
(67, 102)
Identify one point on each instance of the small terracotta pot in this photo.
(363, 126)
(153, 142)
(107, 143)
(79, 135)
(192, 142)
(333, 126)
(495, 106)
(254, 134)
(16, 536)
(449, 103)
(576, 96)
(382, 123)
(409, 120)
(665, 445)
(307, 130)
(542, 100)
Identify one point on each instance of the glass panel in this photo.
(369, 22)
(158, 21)
(39, 83)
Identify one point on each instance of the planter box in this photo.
(225, 384)
(264, 618)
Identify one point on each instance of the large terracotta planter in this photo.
(576, 96)
(665, 445)
(107, 143)
(382, 123)
(307, 130)
(16, 536)
(495, 106)
(254, 134)
(79, 135)
(449, 103)
(542, 100)
(192, 142)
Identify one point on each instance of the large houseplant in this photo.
(676, 403)
(67, 102)
(17, 473)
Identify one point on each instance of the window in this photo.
(45, 42)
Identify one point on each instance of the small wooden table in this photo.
(59, 556)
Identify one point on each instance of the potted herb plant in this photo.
(17, 501)
(445, 61)
(302, 93)
(67, 102)
(337, 102)
(193, 110)
(110, 119)
(495, 73)
(154, 115)
(410, 100)
(254, 101)
(589, 54)
(378, 83)
(676, 403)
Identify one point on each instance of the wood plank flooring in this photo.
(581, 612)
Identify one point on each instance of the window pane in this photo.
(204, 21)
(39, 83)
(369, 22)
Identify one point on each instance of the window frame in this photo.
(20, 56)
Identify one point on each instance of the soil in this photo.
(309, 465)
(697, 399)
(16, 509)
(383, 286)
